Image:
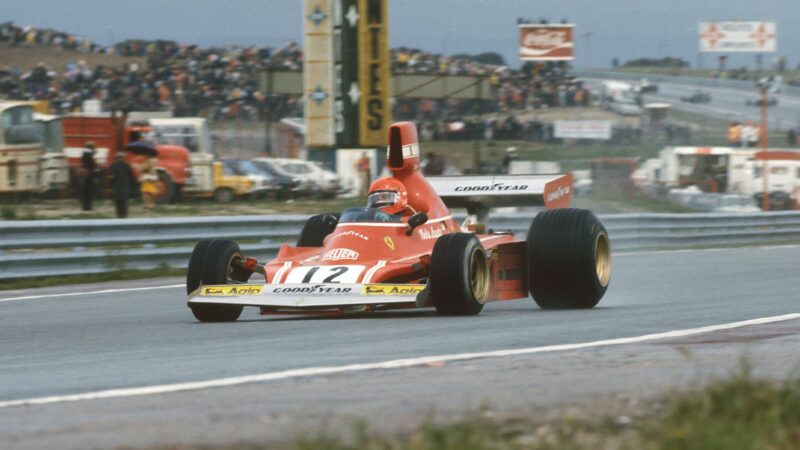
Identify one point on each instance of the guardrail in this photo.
(71, 247)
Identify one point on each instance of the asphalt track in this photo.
(726, 103)
(53, 346)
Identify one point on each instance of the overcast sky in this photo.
(625, 29)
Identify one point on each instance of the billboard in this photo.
(583, 129)
(346, 77)
(373, 73)
(318, 73)
(739, 36)
(546, 42)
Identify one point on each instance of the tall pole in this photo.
(588, 37)
(764, 143)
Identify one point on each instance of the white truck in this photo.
(21, 149)
(724, 170)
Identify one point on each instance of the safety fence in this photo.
(72, 247)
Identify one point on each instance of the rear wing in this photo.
(482, 192)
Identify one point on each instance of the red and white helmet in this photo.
(389, 195)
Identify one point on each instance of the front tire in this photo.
(459, 275)
(569, 259)
(212, 262)
(316, 229)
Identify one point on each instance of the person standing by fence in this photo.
(121, 180)
(88, 168)
(148, 187)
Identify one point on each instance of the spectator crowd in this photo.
(223, 83)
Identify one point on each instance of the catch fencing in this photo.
(72, 247)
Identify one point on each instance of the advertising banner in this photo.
(318, 73)
(373, 72)
(739, 36)
(583, 129)
(546, 42)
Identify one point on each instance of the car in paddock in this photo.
(405, 250)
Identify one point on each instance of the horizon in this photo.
(623, 29)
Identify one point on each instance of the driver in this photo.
(390, 196)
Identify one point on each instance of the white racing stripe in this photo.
(385, 365)
(77, 294)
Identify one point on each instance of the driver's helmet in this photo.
(389, 195)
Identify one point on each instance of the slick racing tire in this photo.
(569, 259)
(316, 229)
(459, 275)
(212, 263)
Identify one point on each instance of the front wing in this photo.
(310, 296)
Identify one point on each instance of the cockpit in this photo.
(368, 215)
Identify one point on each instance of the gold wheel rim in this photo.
(479, 275)
(602, 259)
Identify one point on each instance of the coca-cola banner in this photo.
(545, 42)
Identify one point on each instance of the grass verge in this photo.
(116, 275)
(739, 412)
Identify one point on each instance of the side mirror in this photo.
(330, 221)
(415, 221)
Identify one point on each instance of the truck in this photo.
(726, 170)
(110, 134)
(21, 149)
(192, 133)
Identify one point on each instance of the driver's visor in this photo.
(379, 199)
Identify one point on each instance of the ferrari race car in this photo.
(405, 250)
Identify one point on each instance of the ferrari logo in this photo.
(389, 242)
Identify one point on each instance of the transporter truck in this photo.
(21, 149)
(111, 135)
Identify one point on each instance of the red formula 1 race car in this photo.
(405, 250)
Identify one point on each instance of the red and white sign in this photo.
(728, 37)
(545, 42)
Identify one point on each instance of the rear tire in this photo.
(212, 263)
(316, 229)
(459, 275)
(569, 259)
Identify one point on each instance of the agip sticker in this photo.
(233, 290)
(392, 289)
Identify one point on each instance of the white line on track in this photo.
(77, 294)
(385, 365)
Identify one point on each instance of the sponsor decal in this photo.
(351, 233)
(339, 253)
(502, 187)
(389, 242)
(324, 274)
(315, 289)
(409, 151)
(558, 193)
(433, 232)
(389, 289)
(232, 290)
